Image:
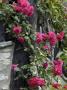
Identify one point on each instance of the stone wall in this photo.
(6, 55)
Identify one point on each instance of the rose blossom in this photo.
(14, 66)
(27, 9)
(56, 85)
(65, 86)
(16, 7)
(39, 38)
(46, 47)
(23, 3)
(52, 38)
(30, 10)
(36, 81)
(45, 36)
(17, 29)
(58, 61)
(57, 69)
(21, 39)
(60, 36)
(45, 65)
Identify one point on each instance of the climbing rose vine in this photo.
(42, 70)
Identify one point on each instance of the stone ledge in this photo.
(5, 44)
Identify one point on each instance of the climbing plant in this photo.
(42, 71)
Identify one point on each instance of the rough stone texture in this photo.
(6, 54)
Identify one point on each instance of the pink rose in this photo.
(39, 38)
(53, 42)
(57, 69)
(14, 66)
(45, 36)
(21, 39)
(36, 81)
(65, 86)
(23, 3)
(46, 47)
(45, 65)
(56, 85)
(30, 10)
(25, 10)
(26, 7)
(16, 7)
(58, 61)
(17, 29)
(52, 38)
(60, 36)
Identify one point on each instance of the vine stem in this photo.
(39, 88)
(36, 70)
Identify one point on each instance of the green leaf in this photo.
(17, 19)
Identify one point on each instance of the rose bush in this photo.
(42, 70)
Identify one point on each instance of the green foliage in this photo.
(65, 38)
(54, 11)
(64, 56)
